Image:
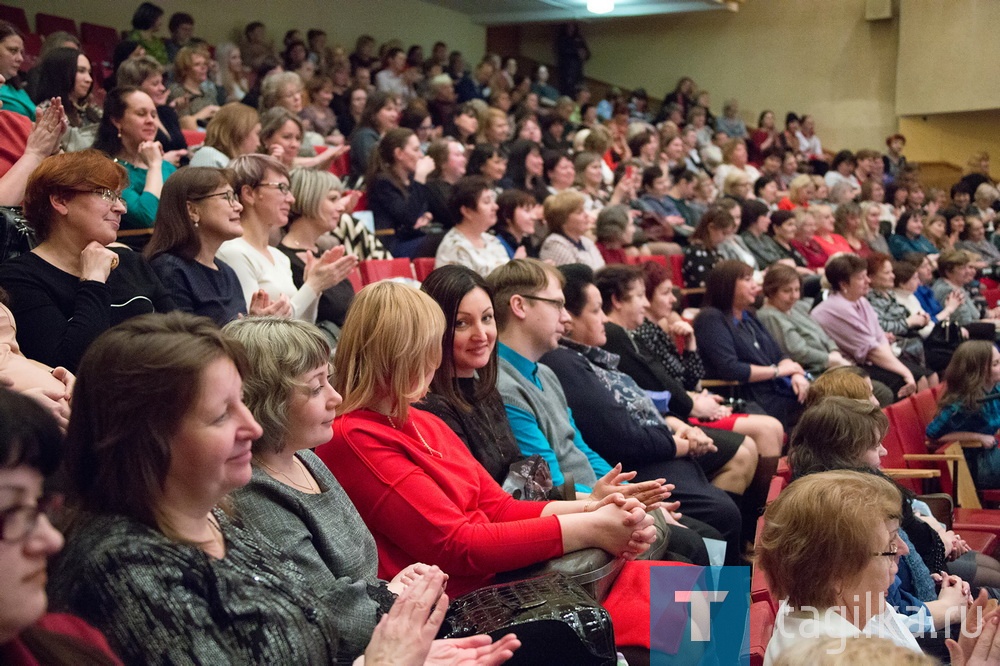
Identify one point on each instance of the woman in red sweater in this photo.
(418, 488)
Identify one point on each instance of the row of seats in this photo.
(373, 270)
(912, 463)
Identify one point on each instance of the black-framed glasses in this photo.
(19, 522)
(284, 188)
(109, 195)
(559, 303)
(893, 550)
(228, 195)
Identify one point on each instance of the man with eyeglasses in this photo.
(531, 317)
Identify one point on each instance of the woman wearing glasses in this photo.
(30, 448)
(199, 211)
(71, 287)
(264, 192)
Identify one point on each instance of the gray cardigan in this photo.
(325, 537)
(799, 336)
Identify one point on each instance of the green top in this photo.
(16, 100)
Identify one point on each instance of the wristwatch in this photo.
(775, 368)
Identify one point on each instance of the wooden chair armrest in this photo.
(941, 505)
(708, 383)
(125, 233)
(912, 473)
(687, 291)
(933, 456)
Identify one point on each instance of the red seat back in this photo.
(677, 270)
(92, 33)
(991, 296)
(374, 270)
(32, 50)
(655, 258)
(422, 267)
(193, 137)
(761, 627)
(16, 17)
(46, 24)
(356, 281)
(777, 485)
(925, 404)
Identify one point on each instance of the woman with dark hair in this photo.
(702, 251)
(489, 161)
(755, 223)
(71, 287)
(127, 134)
(908, 236)
(381, 114)
(736, 346)
(198, 213)
(848, 318)
(464, 391)
(145, 24)
(468, 244)
(397, 196)
(13, 97)
(155, 558)
(519, 218)
(764, 137)
(893, 316)
(147, 75)
(30, 451)
(560, 174)
(450, 163)
(525, 168)
(65, 73)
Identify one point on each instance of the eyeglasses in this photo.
(559, 303)
(228, 195)
(17, 523)
(284, 188)
(893, 549)
(109, 195)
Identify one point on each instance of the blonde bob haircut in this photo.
(184, 60)
(310, 187)
(525, 277)
(229, 128)
(272, 89)
(797, 184)
(279, 351)
(390, 343)
(851, 652)
(844, 382)
(558, 207)
(820, 532)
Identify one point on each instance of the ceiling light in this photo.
(600, 6)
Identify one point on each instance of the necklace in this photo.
(422, 440)
(310, 488)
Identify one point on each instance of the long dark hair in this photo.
(58, 78)
(174, 231)
(376, 102)
(9, 30)
(448, 285)
(108, 139)
(517, 172)
(384, 156)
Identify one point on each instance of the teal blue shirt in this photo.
(141, 205)
(17, 101)
(530, 438)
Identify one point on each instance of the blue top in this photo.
(956, 417)
(141, 205)
(529, 436)
(17, 100)
(930, 305)
(900, 244)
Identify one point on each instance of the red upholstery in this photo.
(655, 258)
(16, 17)
(374, 270)
(784, 469)
(761, 627)
(46, 24)
(991, 296)
(893, 459)
(91, 33)
(989, 283)
(981, 520)
(777, 485)
(981, 542)
(193, 137)
(422, 267)
(100, 61)
(32, 49)
(677, 269)
(925, 404)
(356, 281)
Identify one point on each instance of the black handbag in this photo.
(555, 620)
(16, 237)
(942, 342)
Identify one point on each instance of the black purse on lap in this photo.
(556, 621)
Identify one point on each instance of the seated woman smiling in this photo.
(419, 490)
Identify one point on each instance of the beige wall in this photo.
(951, 137)
(778, 54)
(948, 55)
(343, 20)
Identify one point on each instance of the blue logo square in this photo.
(699, 616)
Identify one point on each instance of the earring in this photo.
(119, 134)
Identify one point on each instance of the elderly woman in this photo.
(615, 234)
(292, 498)
(262, 185)
(854, 515)
(702, 252)
(560, 173)
(894, 318)
(568, 223)
(755, 221)
(959, 275)
(71, 287)
(416, 485)
(128, 135)
(736, 346)
(146, 74)
(801, 191)
(784, 230)
(734, 158)
(195, 102)
(318, 209)
(826, 236)
(30, 451)
(849, 319)
(805, 239)
(65, 73)
(149, 485)
(233, 131)
(199, 212)
(468, 244)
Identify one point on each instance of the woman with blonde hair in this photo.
(281, 137)
(569, 223)
(194, 103)
(417, 486)
(231, 76)
(801, 191)
(233, 131)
